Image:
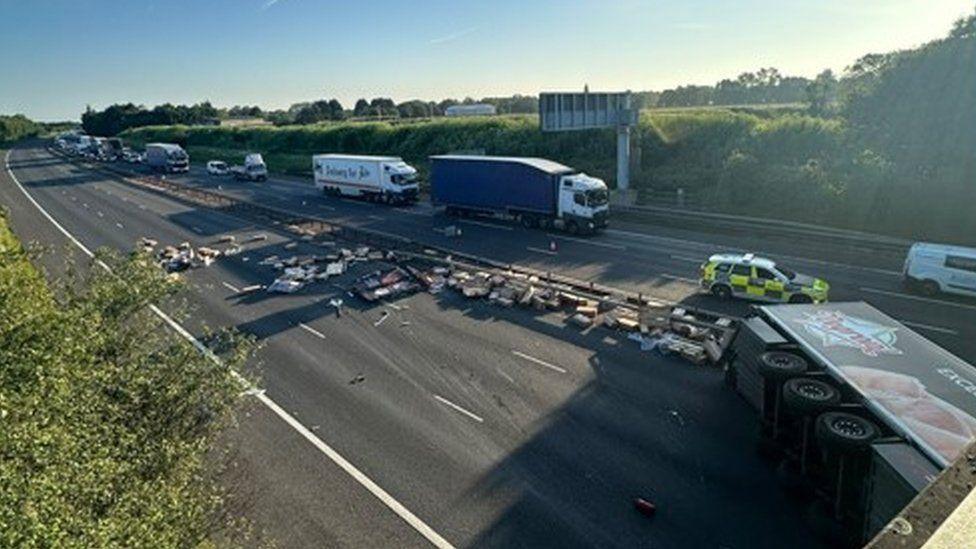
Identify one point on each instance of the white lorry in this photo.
(253, 169)
(376, 178)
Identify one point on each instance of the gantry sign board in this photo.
(584, 111)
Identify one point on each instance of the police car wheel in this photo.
(721, 291)
(804, 396)
(779, 365)
(845, 432)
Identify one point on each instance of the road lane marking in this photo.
(506, 376)
(85, 204)
(411, 212)
(590, 242)
(379, 493)
(311, 330)
(324, 207)
(698, 260)
(119, 225)
(457, 408)
(231, 287)
(930, 327)
(539, 361)
(679, 278)
(100, 214)
(141, 207)
(919, 298)
(541, 251)
(486, 224)
(197, 230)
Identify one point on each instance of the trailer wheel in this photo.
(809, 396)
(845, 432)
(779, 365)
(528, 221)
(572, 227)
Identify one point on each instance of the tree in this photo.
(821, 92)
(361, 108)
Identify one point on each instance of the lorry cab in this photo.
(400, 179)
(935, 268)
(583, 203)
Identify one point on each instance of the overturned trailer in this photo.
(860, 411)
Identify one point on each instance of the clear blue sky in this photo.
(59, 55)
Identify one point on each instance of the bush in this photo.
(105, 416)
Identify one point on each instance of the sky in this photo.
(57, 56)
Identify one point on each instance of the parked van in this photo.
(936, 268)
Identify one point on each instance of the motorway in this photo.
(661, 261)
(455, 422)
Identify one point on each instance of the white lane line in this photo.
(678, 278)
(411, 212)
(698, 260)
(324, 207)
(119, 225)
(590, 242)
(141, 207)
(197, 230)
(100, 214)
(489, 225)
(541, 251)
(85, 204)
(539, 361)
(376, 217)
(311, 330)
(919, 298)
(505, 375)
(405, 514)
(457, 408)
(231, 287)
(74, 199)
(929, 327)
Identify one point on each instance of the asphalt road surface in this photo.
(462, 422)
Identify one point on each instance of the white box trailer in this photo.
(378, 178)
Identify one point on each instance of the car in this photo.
(750, 277)
(217, 167)
(932, 269)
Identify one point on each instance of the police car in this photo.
(760, 279)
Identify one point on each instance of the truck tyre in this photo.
(800, 299)
(528, 221)
(806, 396)
(721, 291)
(845, 432)
(780, 366)
(572, 227)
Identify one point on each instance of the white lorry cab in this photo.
(936, 268)
(377, 178)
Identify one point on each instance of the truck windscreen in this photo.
(597, 197)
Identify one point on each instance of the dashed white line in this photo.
(311, 330)
(379, 493)
(929, 327)
(457, 408)
(489, 225)
(100, 214)
(231, 287)
(505, 375)
(85, 204)
(411, 212)
(678, 278)
(698, 260)
(919, 298)
(324, 207)
(539, 361)
(119, 225)
(590, 242)
(541, 251)
(197, 230)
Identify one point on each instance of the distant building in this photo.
(478, 109)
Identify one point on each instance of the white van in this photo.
(935, 268)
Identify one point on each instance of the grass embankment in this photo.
(772, 163)
(105, 417)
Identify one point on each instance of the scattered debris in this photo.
(383, 317)
(358, 379)
(645, 507)
(258, 237)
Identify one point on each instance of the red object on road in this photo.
(645, 507)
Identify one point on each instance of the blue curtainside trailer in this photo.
(536, 191)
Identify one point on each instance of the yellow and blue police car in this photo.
(757, 278)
